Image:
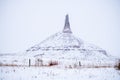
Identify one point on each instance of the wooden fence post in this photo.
(79, 63)
(29, 62)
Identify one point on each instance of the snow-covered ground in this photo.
(55, 73)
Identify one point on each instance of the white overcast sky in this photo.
(24, 23)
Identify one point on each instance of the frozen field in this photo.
(55, 73)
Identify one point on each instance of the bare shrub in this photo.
(75, 65)
(119, 66)
(53, 63)
(70, 67)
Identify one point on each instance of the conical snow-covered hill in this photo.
(65, 45)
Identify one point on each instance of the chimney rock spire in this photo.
(67, 25)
